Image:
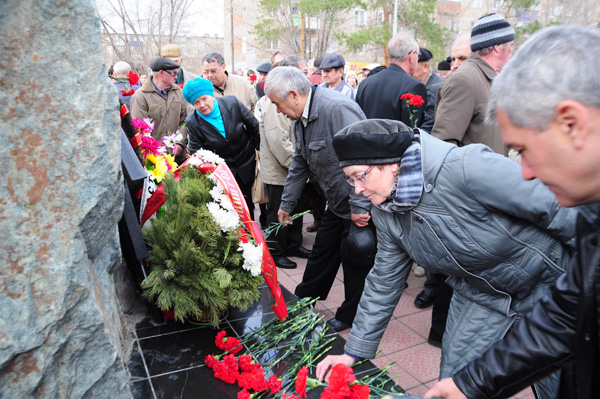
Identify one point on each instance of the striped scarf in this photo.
(409, 183)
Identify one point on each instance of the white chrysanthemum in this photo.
(252, 257)
(221, 198)
(226, 220)
(209, 156)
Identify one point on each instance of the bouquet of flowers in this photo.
(202, 259)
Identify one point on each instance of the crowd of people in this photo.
(483, 174)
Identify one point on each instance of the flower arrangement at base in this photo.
(202, 260)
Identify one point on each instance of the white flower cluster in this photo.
(205, 156)
(170, 140)
(252, 257)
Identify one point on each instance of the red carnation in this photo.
(219, 341)
(133, 78)
(417, 101)
(301, 382)
(128, 92)
(274, 384)
(243, 394)
(360, 391)
(246, 363)
(210, 361)
(406, 96)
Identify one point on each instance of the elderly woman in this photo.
(226, 127)
(464, 212)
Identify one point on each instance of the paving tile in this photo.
(401, 376)
(334, 299)
(397, 337)
(525, 394)
(406, 306)
(418, 391)
(418, 322)
(421, 361)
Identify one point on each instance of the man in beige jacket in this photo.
(462, 99)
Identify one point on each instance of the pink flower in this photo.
(151, 146)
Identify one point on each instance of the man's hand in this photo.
(325, 365)
(178, 150)
(361, 219)
(283, 216)
(445, 388)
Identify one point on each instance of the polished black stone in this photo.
(167, 359)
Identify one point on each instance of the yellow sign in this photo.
(356, 66)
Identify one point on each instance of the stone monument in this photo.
(61, 197)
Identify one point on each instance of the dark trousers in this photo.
(433, 282)
(439, 313)
(315, 200)
(287, 238)
(323, 264)
(247, 192)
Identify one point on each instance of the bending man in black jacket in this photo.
(547, 105)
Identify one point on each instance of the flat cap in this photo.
(372, 142)
(424, 54)
(264, 68)
(332, 61)
(163, 64)
(171, 51)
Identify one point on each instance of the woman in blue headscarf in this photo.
(226, 127)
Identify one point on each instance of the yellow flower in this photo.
(170, 162)
(160, 169)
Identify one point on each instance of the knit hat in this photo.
(491, 30)
(196, 88)
(372, 142)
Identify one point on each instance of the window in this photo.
(332, 47)
(498, 4)
(476, 4)
(360, 17)
(272, 44)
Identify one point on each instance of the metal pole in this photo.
(395, 29)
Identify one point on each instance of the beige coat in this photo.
(276, 142)
(168, 115)
(239, 87)
(461, 105)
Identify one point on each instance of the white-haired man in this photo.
(121, 71)
(379, 95)
(319, 113)
(554, 122)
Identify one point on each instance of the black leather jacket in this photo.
(237, 149)
(562, 328)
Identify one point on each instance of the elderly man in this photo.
(276, 149)
(379, 95)
(318, 114)
(462, 100)
(332, 69)
(554, 123)
(226, 84)
(460, 51)
(161, 100)
(121, 71)
(173, 52)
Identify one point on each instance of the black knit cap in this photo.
(372, 142)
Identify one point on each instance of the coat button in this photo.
(447, 259)
(420, 219)
(429, 187)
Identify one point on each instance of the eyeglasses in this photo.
(415, 51)
(172, 73)
(213, 70)
(360, 179)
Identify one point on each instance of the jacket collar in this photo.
(485, 68)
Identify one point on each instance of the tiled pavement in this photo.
(167, 359)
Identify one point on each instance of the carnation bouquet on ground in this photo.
(202, 258)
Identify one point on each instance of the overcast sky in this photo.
(204, 16)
